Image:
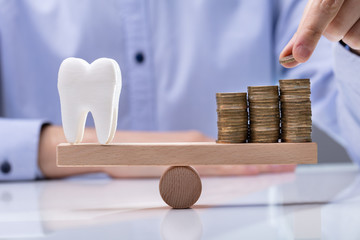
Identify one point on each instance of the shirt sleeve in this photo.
(347, 80)
(335, 81)
(19, 149)
(19, 144)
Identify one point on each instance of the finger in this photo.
(275, 168)
(352, 37)
(348, 15)
(244, 170)
(282, 168)
(227, 170)
(314, 22)
(135, 171)
(289, 47)
(288, 51)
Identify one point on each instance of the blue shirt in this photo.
(174, 57)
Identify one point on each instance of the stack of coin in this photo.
(296, 124)
(232, 117)
(264, 114)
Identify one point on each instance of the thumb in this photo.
(305, 44)
(287, 51)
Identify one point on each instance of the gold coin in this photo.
(285, 82)
(231, 94)
(229, 141)
(287, 59)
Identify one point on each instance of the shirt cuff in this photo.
(19, 149)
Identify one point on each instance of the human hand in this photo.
(236, 170)
(51, 136)
(335, 19)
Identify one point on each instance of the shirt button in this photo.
(139, 57)
(5, 167)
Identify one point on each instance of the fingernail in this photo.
(302, 52)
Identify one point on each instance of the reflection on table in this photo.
(315, 202)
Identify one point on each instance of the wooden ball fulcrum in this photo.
(180, 186)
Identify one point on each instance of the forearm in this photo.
(50, 137)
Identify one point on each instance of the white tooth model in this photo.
(94, 88)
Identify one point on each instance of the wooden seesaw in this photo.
(180, 185)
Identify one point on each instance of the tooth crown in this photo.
(94, 88)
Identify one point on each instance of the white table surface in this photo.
(316, 202)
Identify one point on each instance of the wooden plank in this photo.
(188, 153)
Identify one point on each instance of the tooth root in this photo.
(105, 122)
(74, 123)
(116, 105)
(114, 124)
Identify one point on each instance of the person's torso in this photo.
(174, 55)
